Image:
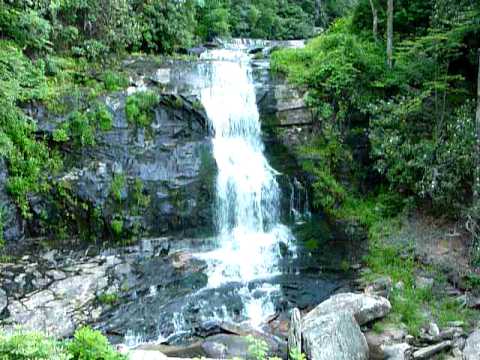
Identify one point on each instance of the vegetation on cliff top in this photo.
(416, 117)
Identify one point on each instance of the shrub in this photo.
(103, 118)
(117, 227)
(118, 186)
(88, 344)
(113, 80)
(139, 108)
(31, 345)
(108, 298)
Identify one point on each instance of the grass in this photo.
(411, 305)
(382, 216)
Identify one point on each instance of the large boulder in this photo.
(472, 347)
(333, 336)
(364, 308)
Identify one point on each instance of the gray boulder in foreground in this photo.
(333, 336)
(364, 308)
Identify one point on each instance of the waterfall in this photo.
(249, 231)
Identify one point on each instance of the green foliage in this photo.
(410, 17)
(31, 345)
(140, 199)
(114, 81)
(60, 135)
(258, 348)
(117, 227)
(118, 186)
(27, 28)
(139, 108)
(214, 19)
(418, 116)
(296, 354)
(410, 304)
(108, 298)
(88, 344)
(28, 158)
(323, 159)
(271, 19)
(167, 26)
(103, 117)
(80, 129)
(82, 126)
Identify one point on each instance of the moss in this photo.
(140, 199)
(139, 108)
(117, 227)
(103, 117)
(118, 186)
(108, 298)
(113, 80)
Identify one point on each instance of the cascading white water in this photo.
(248, 195)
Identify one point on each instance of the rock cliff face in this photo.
(10, 220)
(163, 173)
(171, 158)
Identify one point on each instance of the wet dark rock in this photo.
(171, 158)
(12, 223)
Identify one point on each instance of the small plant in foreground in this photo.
(89, 344)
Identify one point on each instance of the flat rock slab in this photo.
(334, 336)
(472, 347)
(364, 308)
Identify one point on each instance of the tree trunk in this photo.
(476, 189)
(390, 34)
(375, 19)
